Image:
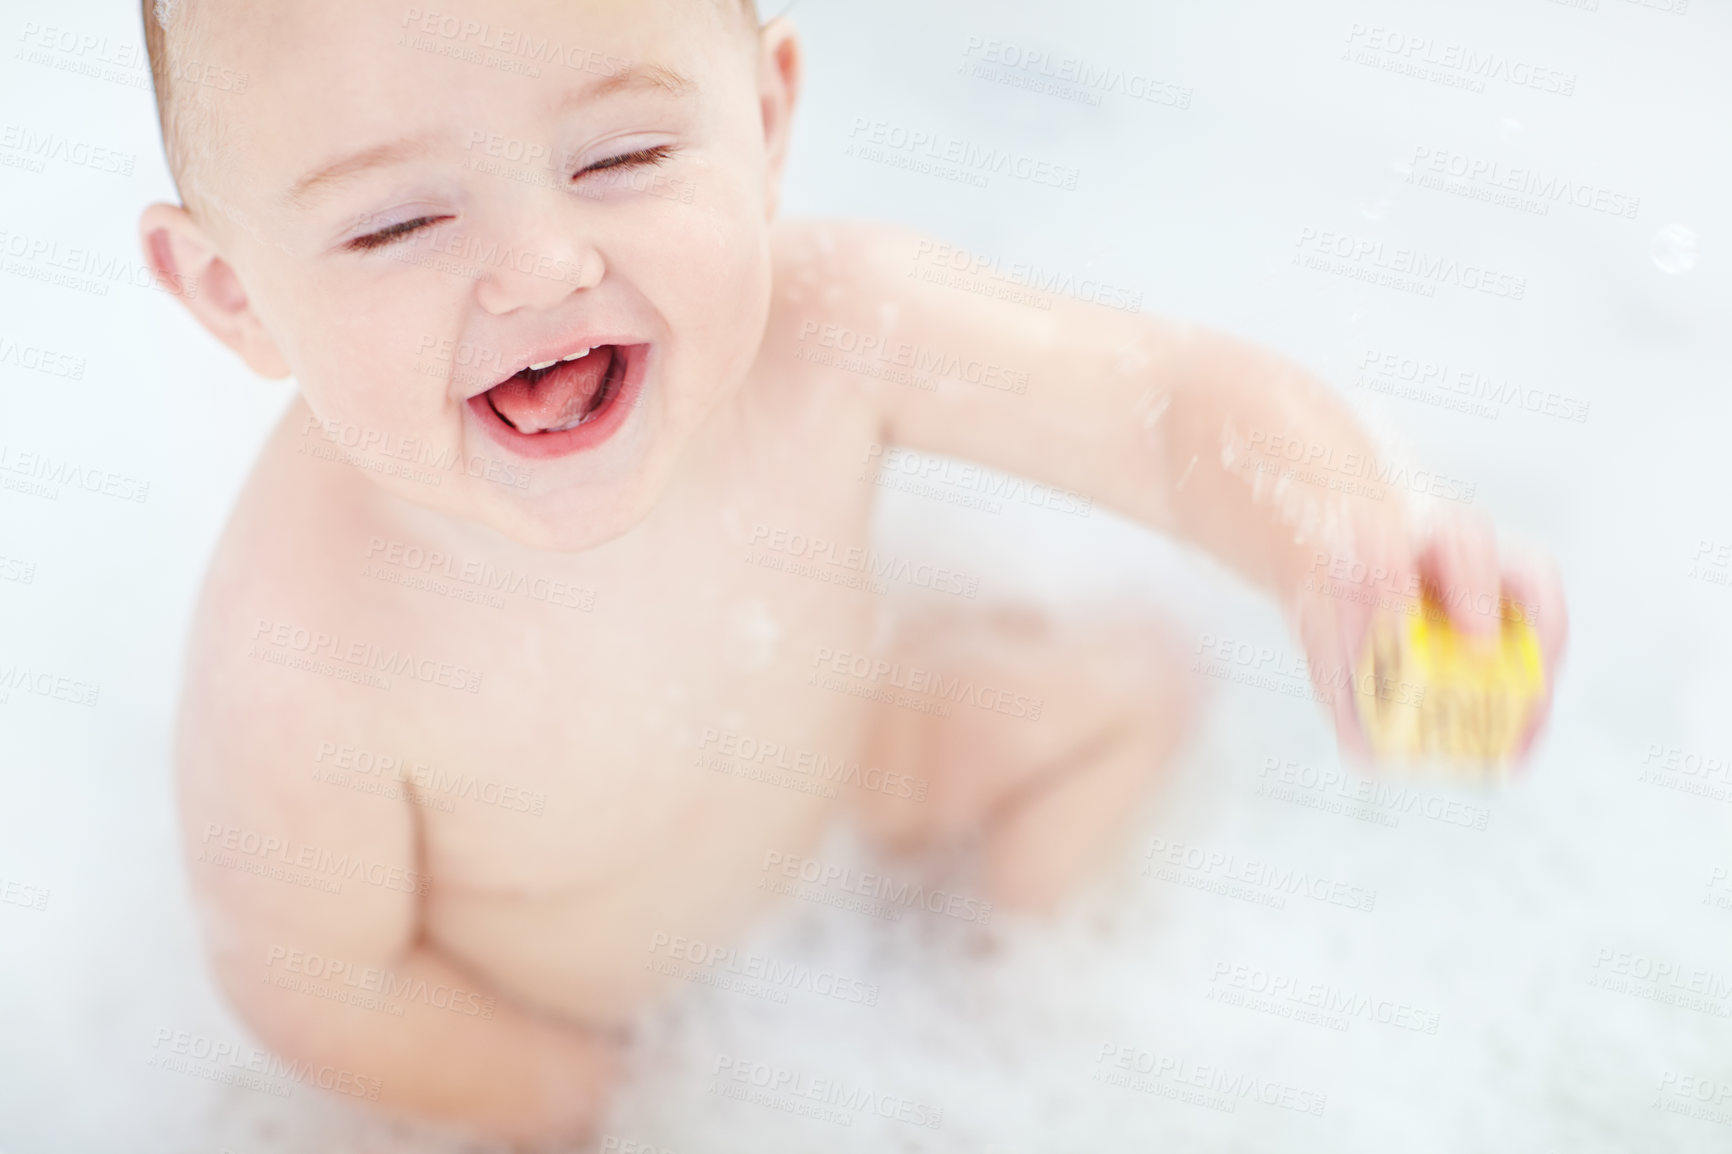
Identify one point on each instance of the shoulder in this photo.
(874, 279)
(843, 295)
(842, 259)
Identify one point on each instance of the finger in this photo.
(1535, 590)
(1324, 627)
(1371, 570)
(1460, 561)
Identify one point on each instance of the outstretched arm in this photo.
(1230, 447)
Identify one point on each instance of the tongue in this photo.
(536, 402)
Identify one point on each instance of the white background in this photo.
(1497, 932)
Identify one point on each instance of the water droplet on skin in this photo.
(1673, 249)
(756, 634)
(1154, 406)
(1233, 447)
(1259, 487)
(1308, 522)
(1186, 475)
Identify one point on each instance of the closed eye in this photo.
(397, 232)
(393, 234)
(630, 159)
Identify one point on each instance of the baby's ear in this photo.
(187, 262)
(779, 67)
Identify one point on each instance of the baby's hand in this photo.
(1387, 568)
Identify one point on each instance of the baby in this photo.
(572, 511)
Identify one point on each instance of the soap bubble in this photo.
(1673, 249)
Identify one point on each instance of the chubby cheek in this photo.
(380, 358)
(709, 275)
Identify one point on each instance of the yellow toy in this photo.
(1425, 691)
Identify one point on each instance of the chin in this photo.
(575, 518)
(573, 527)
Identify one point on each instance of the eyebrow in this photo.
(669, 80)
(307, 190)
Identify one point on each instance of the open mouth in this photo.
(563, 406)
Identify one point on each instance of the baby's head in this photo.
(407, 209)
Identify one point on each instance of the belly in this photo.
(555, 925)
(679, 739)
(660, 805)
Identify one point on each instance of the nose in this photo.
(539, 261)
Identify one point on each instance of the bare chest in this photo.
(562, 722)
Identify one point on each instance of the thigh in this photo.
(996, 700)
